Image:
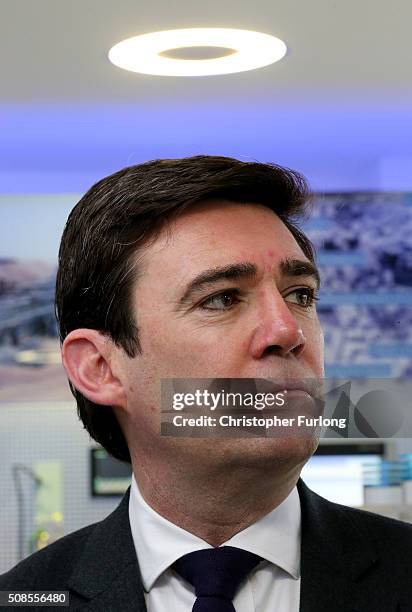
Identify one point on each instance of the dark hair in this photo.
(123, 212)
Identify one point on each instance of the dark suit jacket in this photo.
(352, 561)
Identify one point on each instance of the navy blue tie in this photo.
(216, 574)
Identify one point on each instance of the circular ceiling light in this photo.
(160, 53)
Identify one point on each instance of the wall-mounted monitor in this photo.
(336, 470)
(109, 477)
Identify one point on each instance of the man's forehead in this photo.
(224, 224)
(215, 236)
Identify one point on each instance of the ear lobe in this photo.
(86, 359)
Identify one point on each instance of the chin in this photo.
(259, 452)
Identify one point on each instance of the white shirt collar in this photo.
(159, 543)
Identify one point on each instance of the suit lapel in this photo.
(338, 561)
(107, 574)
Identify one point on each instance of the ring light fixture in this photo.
(243, 50)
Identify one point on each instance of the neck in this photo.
(214, 503)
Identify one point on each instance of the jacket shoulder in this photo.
(353, 528)
(384, 531)
(52, 565)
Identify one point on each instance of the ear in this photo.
(87, 357)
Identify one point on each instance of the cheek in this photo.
(198, 352)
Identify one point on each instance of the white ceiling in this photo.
(338, 106)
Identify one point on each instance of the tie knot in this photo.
(216, 572)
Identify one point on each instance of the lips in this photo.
(311, 386)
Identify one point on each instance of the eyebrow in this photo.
(247, 270)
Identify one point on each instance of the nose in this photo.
(278, 332)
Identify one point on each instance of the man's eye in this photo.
(306, 297)
(221, 301)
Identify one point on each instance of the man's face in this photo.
(258, 323)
